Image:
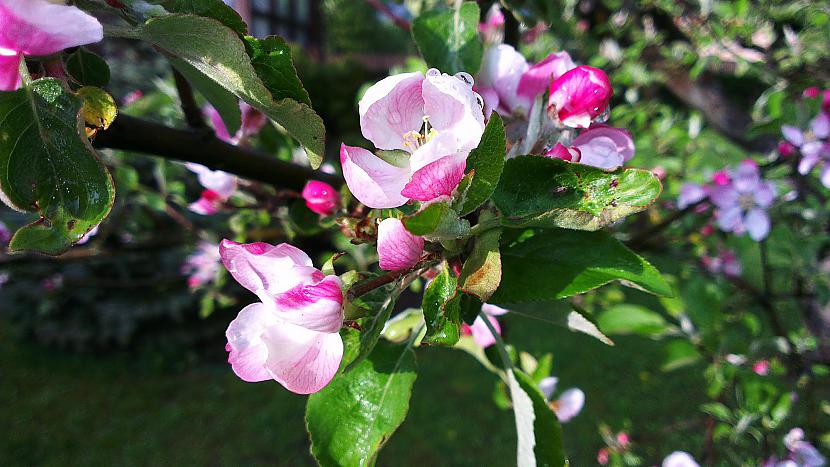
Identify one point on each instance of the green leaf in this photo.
(481, 273)
(539, 191)
(272, 61)
(225, 102)
(448, 39)
(352, 417)
(380, 302)
(218, 53)
(538, 430)
(87, 68)
(216, 9)
(437, 222)
(47, 166)
(631, 319)
(487, 160)
(441, 305)
(559, 263)
(679, 353)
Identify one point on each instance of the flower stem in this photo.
(24, 72)
(484, 226)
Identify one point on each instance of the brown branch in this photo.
(362, 288)
(143, 136)
(192, 113)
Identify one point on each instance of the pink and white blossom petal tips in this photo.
(679, 459)
(321, 197)
(9, 71)
(579, 96)
(248, 351)
(604, 147)
(373, 181)
(397, 247)
(569, 404)
(391, 108)
(302, 360)
(437, 180)
(481, 333)
(40, 27)
(539, 76)
(260, 267)
(315, 306)
(454, 108)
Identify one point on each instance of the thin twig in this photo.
(362, 288)
(192, 113)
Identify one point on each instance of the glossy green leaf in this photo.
(538, 431)
(351, 418)
(225, 102)
(379, 303)
(487, 162)
(539, 191)
(437, 222)
(627, 318)
(219, 53)
(272, 61)
(47, 166)
(481, 273)
(441, 306)
(216, 9)
(559, 263)
(87, 68)
(448, 38)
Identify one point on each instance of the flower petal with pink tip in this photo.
(604, 147)
(569, 404)
(222, 183)
(579, 96)
(538, 77)
(437, 180)
(9, 71)
(373, 181)
(313, 306)
(391, 108)
(248, 351)
(39, 27)
(260, 267)
(397, 247)
(302, 360)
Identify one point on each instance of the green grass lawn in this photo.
(66, 409)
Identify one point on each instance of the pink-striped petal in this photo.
(267, 269)
(302, 360)
(604, 147)
(248, 351)
(397, 247)
(391, 108)
(538, 77)
(313, 306)
(39, 27)
(481, 333)
(579, 96)
(373, 181)
(436, 180)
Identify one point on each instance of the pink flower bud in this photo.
(786, 149)
(603, 456)
(810, 92)
(579, 96)
(622, 439)
(761, 367)
(721, 178)
(321, 197)
(560, 151)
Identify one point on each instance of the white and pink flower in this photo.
(397, 247)
(741, 202)
(680, 459)
(252, 123)
(321, 197)
(202, 265)
(479, 329)
(599, 146)
(292, 334)
(39, 27)
(569, 403)
(426, 126)
(814, 145)
(579, 96)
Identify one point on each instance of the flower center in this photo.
(415, 139)
(746, 201)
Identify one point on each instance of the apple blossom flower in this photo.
(292, 334)
(539, 76)
(814, 145)
(321, 197)
(600, 146)
(623, 439)
(679, 459)
(397, 247)
(726, 262)
(742, 203)
(570, 402)
(479, 330)
(690, 193)
(498, 80)
(579, 96)
(426, 127)
(132, 97)
(201, 266)
(39, 27)
(801, 452)
(761, 367)
(219, 186)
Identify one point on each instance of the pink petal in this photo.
(569, 404)
(38, 27)
(208, 204)
(260, 267)
(679, 459)
(723, 196)
(313, 306)
(729, 219)
(252, 119)
(373, 181)
(820, 126)
(538, 77)
(746, 177)
(493, 310)
(579, 96)
(222, 183)
(9, 72)
(481, 333)
(757, 223)
(690, 193)
(391, 108)
(559, 151)
(793, 134)
(548, 386)
(302, 360)
(218, 124)
(501, 70)
(436, 180)
(248, 352)
(397, 248)
(764, 194)
(321, 197)
(604, 147)
(454, 108)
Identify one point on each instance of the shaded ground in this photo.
(65, 409)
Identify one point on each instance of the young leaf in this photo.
(559, 263)
(441, 305)
(352, 417)
(272, 61)
(538, 430)
(437, 222)
(487, 160)
(47, 166)
(218, 53)
(448, 39)
(87, 68)
(679, 353)
(539, 191)
(481, 273)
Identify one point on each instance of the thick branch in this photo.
(138, 135)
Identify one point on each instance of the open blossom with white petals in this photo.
(427, 125)
(397, 247)
(814, 145)
(292, 334)
(579, 96)
(479, 330)
(741, 203)
(679, 459)
(39, 27)
(600, 146)
(569, 403)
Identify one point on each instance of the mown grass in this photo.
(67, 409)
